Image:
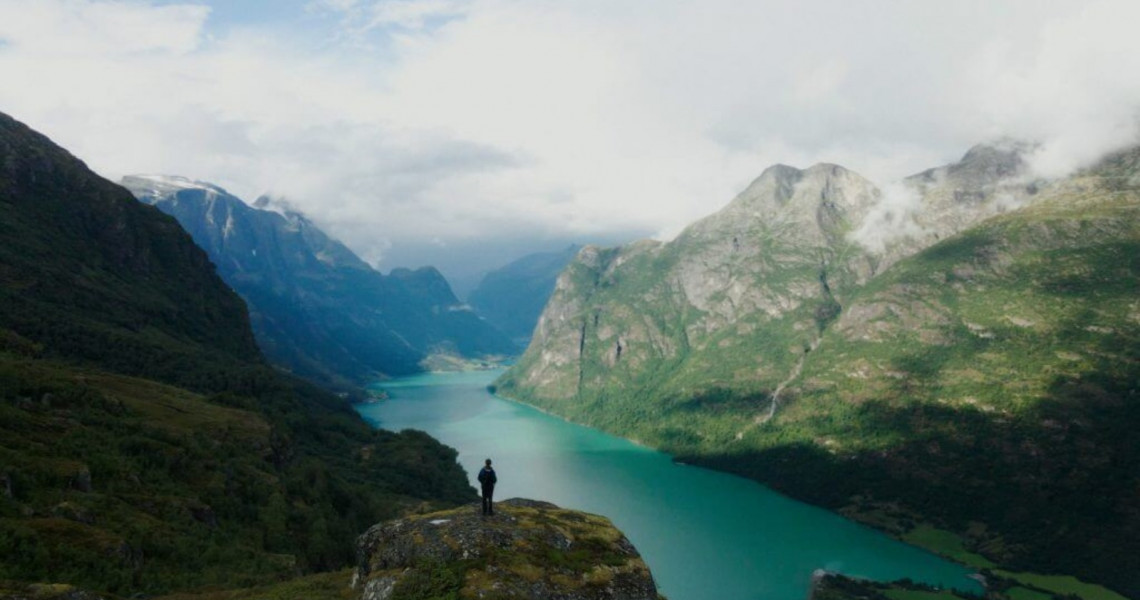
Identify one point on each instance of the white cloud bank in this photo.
(397, 122)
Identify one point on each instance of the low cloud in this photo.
(894, 218)
(120, 29)
(1060, 84)
(393, 122)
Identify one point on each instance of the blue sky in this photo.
(310, 23)
(418, 130)
(250, 11)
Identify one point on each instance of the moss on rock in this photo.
(528, 549)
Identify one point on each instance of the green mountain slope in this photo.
(986, 384)
(991, 383)
(86, 273)
(144, 444)
(652, 326)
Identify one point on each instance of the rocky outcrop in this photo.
(527, 549)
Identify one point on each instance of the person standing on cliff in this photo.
(487, 480)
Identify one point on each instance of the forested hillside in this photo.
(145, 446)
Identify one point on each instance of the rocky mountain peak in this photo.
(267, 202)
(983, 165)
(781, 188)
(1004, 154)
(777, 181)
(822, 202)
(1121, 168)
(427, 283)
(990, 179)
(151, 188)
(282, 207)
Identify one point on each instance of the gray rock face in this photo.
(736, 301)
(778, 256)
(937, 203)
(786, 219)
(528, 549)
(820, 202)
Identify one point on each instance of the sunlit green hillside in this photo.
(987, 384)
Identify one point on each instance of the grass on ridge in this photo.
(947, 544)
(323, 586)
(1020, 593)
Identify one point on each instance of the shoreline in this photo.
(983, 576)
(633, 441)
(977, 574)
(966, 584)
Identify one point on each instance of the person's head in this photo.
(487, 462)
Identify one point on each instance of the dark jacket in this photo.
(487, 477)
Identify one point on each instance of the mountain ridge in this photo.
(316, 307)
(778, 348)
(76, 214)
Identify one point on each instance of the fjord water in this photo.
(704, 534)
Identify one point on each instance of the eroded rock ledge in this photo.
(528, 549)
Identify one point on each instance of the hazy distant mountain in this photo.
(513, 296)
(316, 307)
(960, 350)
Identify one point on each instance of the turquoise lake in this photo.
(705, 535)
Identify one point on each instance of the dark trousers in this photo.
(488, 492)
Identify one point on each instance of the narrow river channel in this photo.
(705, 535)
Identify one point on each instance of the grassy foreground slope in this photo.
(987, 385)
(144, 444)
